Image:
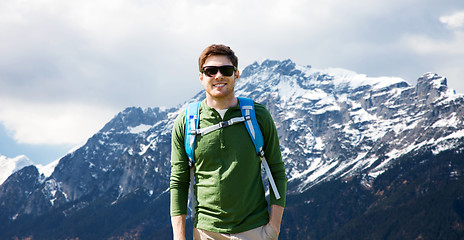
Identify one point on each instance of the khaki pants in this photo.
(265, 232)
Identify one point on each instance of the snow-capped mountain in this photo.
(334, 125)
(338, 123)
(9, 166)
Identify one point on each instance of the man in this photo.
(229, 192)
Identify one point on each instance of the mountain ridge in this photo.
(9, 166)
(335, 127)
(324, 94)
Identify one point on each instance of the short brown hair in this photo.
(217, 49)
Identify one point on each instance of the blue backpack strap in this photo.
(192, 118)
(247, 107)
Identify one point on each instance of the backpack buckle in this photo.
(224, 124)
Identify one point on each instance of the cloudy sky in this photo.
(67, 67)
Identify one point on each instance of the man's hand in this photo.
(276, 217)
(178, 226)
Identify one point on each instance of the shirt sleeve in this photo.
(180, 172)
(272, 153)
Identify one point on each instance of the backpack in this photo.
(192, 119)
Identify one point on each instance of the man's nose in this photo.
(219, 74)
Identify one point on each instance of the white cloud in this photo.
(59, 58)
(52, 123)
(441, 53)
(453, 21)
(422, 44)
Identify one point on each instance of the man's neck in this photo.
(221, 103)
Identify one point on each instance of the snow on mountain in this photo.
(332, 124)
(9, 166)
(335, 123)
(48, 169)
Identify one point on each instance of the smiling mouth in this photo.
(219, 85)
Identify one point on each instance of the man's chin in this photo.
(220, 95)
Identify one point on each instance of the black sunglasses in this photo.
(226, 71)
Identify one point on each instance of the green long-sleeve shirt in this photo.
(228, 186)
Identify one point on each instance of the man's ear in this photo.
(237, 75)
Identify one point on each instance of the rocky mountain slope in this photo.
(349, 143)
(9, 166)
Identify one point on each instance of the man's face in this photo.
(217, 85)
